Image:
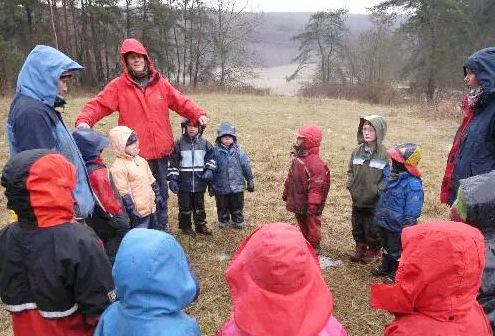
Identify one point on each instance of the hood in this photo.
(225, 128)
(313, 135)
(133, 45)
(118, 140)
(41, 71)
(275, 275)
(152, 274)
(38, 185)
(482, 64)
(476, 192)
(439, 272)
(378, 123)
(90, 144)
(186, 122)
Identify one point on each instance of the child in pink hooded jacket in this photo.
(277, 287)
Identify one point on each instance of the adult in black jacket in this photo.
(55, 278)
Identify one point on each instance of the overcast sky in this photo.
(354, 6)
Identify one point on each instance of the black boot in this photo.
(394, 265)
(385, 267)
(185, 223)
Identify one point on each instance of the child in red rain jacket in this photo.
(277, 287)
(109, 219)
(307, 184)
(437, 283)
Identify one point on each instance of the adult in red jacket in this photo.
(143, 99)
(437, 282)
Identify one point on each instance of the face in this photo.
(299, 141)
(369, 133)
(135, 61)
(133, 149)
(471, 79)
(62, 85)
(227, 140)
(192, 130)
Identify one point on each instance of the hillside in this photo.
(272, 39)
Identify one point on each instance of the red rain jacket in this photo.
(308, 180)
(277, 287)
(437, 283)
(146, 113)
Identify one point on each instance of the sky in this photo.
(354, 6)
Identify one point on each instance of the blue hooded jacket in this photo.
(34, 123)
(477, 151)
(154, 284)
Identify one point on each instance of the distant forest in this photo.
(422, 43)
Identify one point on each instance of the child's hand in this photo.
(250, 186)
(173, 186)
(207, 175)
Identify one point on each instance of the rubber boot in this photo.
(371, 256)
(385, 267)
(358, 252)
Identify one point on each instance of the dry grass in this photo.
(265, 129)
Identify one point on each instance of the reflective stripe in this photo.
(376, 163)
(66, 313)
(20, 307)
(358, 161)
(29, 306)
(193, 169)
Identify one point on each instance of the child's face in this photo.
(471, 79)
(369, 133)
(133, 149)
(299, 141)
(227, 140)
(192, 130)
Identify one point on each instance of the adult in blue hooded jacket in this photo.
(154, 283)
(473, 151)
(33, 122)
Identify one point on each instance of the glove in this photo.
(173, 186)
(211, 190)
(159, 201)
(312, 208)
(207, 175)
(250, 185)
(134, 215)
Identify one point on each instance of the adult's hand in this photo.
(203, 120)
(83, 125)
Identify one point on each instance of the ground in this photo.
(266, 127)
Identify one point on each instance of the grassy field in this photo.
(266, 127)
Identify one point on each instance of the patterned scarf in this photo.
(476, 98)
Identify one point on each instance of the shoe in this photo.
(189, 231)
(238, 225)
(371, 256)
(204, 229)
(222, 225)
(358, 252)
(379, 271)
(317, 249)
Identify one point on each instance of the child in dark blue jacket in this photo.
(229, 182)
(399, 205)
(191, 169)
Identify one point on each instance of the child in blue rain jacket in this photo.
(232, 174)
(154, 283)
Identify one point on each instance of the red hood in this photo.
(38, 185)
(313, 135)
(439, 273)
(133, 45)
(276, 284)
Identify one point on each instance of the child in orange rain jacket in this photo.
(437, 282)
(277, 287)
(307, 184)
(134, 180)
